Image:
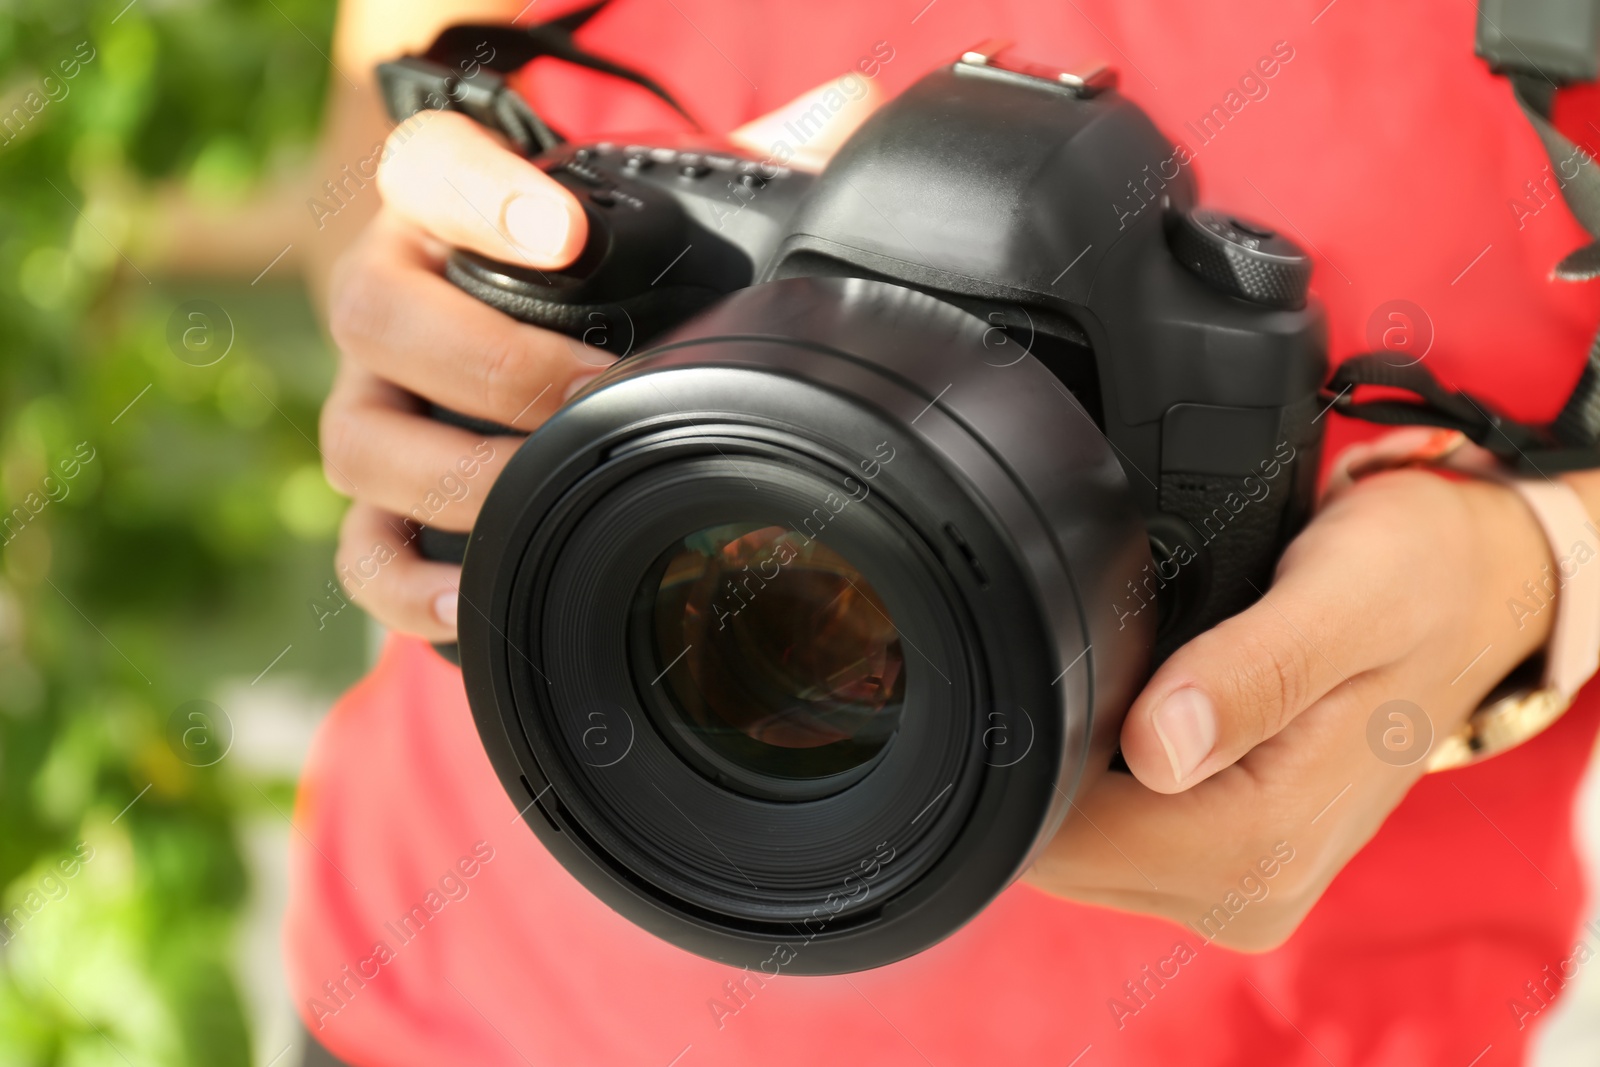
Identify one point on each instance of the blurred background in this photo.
(161, 662)
(169, 637)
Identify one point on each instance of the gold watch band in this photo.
(1498, 725)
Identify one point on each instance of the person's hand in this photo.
(405, 333)
(1255, 776)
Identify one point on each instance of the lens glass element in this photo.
(779, 658)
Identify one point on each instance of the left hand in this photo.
(1259, 726)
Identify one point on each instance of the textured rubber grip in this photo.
(634, 319)
(1242, 259)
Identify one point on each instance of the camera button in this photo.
(586, 174)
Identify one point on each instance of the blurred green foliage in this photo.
(183, 553)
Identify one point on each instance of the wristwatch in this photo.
(1535, 694)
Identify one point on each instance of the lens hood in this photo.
(976, 496)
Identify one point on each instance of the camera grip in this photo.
(1238, 525)
(446, 546)
(614, 327)
(534, 298)
(514, 291)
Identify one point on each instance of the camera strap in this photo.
(466, 69)
(1538, 46)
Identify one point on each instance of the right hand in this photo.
(404, 332)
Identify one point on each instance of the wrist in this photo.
(1526, 543)
(1521, 579)
(1587, 485)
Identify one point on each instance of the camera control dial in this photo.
(1241, 257)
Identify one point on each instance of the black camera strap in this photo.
(1538, 45)
(465, 70)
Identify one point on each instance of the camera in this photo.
(794, 634)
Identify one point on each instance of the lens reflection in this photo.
(777, 653)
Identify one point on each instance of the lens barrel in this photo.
(794, 635)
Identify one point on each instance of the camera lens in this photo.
(750, 617)
(783, 667)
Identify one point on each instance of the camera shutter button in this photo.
(1242, 258)
(692, 165)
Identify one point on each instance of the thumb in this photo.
(1244, 680)
(810, 128)
(451, 177)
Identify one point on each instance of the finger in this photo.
(375, 443)
(1325, 620)
(833, 110)
(1122, 846)
(1406, 446)
(380, 568)
(448, 175)
(407, 325)
(1282, 823)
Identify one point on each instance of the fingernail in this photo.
(1186, 723)
(538, 223)
(444, 607)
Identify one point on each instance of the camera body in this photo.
(1049, 207)
(795, 633)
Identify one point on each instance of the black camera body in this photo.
(795, 632)
(1057, 214)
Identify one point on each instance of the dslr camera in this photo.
(794, 634)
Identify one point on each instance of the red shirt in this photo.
(428, 926)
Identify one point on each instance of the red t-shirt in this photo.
(428, 926)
